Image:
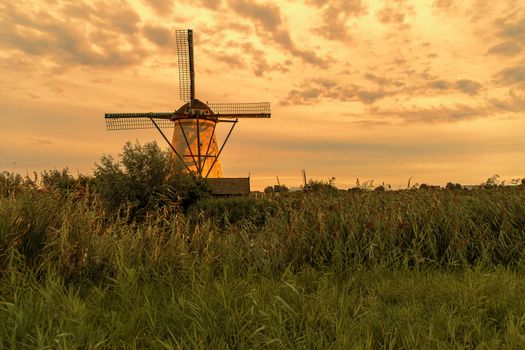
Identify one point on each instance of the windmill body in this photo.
(196, 140)
(194, 143)
(191, 147)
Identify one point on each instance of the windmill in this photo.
(193, 142)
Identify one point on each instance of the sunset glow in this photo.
(375, 90)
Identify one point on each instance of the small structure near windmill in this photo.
(194, 143)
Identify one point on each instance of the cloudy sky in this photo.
(382, 90)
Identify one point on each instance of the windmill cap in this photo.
(195, 105)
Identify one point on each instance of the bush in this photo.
(185, 189)
(145, 178)
(10, 183)
(492, 182)
(276, 189)
(453, 186)
(321, 186)
(60, 180)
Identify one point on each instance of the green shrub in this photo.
(275, 189)
(185, 189)
(60, 180)
(453, 186)
(10, 183)
(143, 179)
(321, 186)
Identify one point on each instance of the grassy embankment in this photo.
(409, 269)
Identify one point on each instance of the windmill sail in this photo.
(132, 121)
(241, 110)
(184, 40)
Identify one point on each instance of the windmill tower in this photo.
(193, 142)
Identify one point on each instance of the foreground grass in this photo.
(306, 309)
(410, 269)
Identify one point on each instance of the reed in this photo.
(392, 269)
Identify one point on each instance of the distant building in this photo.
(229, 186)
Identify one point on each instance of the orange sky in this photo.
(382, 90)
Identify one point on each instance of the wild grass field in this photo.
(133, 258)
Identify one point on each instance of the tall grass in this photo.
(406, 269)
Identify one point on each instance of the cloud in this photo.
(507, 48)
(514, 104)
(259, 63)
(380, 87)
(395, 12)
(444, 4)
(267, 15)
(440, 114)
(513, 34)
(370, 123)
(117, 16)
(466, 86)
(65, 39)
(267, 19)
(38, 142)
(161, 7)
(122, 17)
(211, 4)
(514, 30)
(391, 15)
(322, 90)
(469, 87)
(377, 79)
(371, 96)
(77, 9)
(439, 84)
(240, 55)
(335, 16)
(159, 35)
(512, 76)
(382, 81)
(232, 60)
(454, 113)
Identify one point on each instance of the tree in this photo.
(280, 188)
(453, 186)
(60, 180)
(145, 178)
(492, 181)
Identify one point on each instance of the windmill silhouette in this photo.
(194, 142)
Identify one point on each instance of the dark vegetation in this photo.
(141, 256)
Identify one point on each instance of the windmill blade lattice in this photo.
(184, 40)
(133, 121)
(241, 110)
